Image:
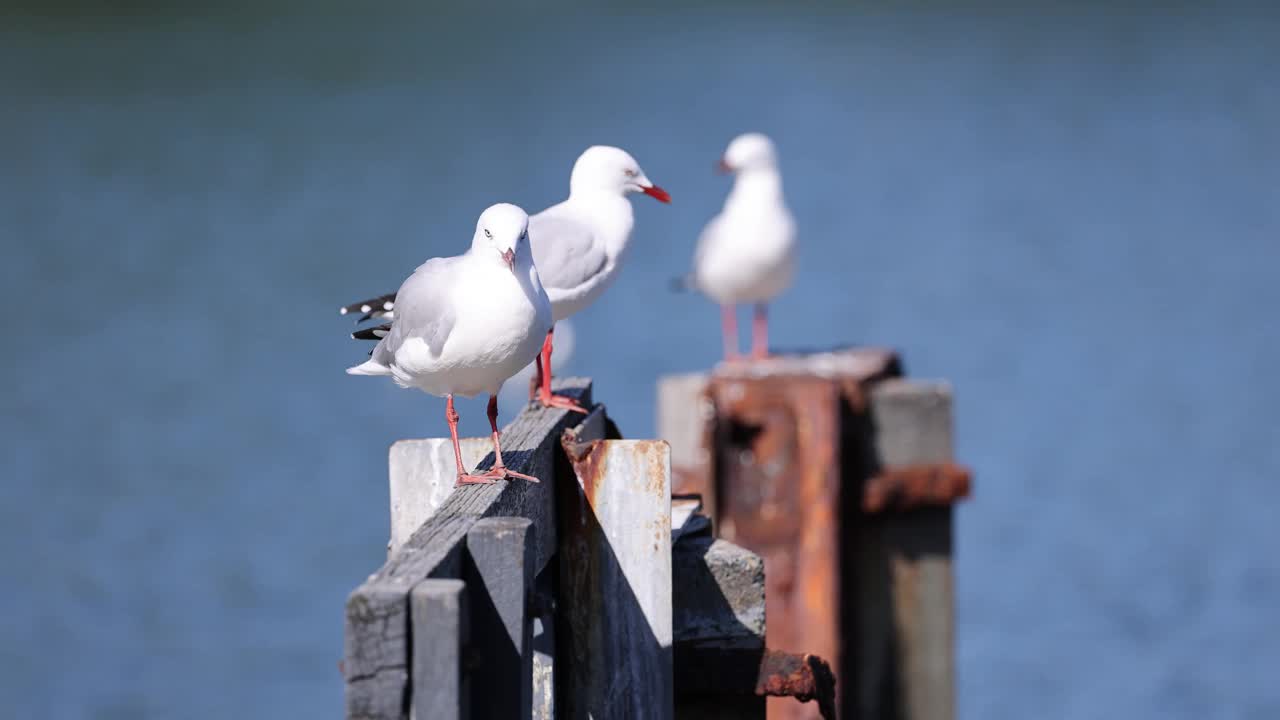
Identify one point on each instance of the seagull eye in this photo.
(629, 172)
(488, 234)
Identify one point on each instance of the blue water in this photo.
(1072, 213)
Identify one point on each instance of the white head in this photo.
(502, 233)
(612, 169)
(751, 151)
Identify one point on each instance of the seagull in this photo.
(578, 246)
(465, 324)
(746, 253)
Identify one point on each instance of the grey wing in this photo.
(424, 308)
(565, 252)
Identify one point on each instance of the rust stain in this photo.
(588, 460)
(804, 677)
(900, 488)
(655, 454)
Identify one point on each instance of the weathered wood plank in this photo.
(438, 610)
(377, 616)
(544, 647)
(718, 607)
(615, 574)
(375, 662)
(499, 573)
(422, 474)
(718, 595)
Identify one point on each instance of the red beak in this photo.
(723, 167)
(657, 193)
(510, 257)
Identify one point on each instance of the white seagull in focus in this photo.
(746, 254)
(578, 247)
(463, 325)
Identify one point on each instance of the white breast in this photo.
(499, 329)
(747, 254)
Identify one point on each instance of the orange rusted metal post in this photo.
(837, 473)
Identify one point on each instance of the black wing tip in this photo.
(371, 308)
(372, 333)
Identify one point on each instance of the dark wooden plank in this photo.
(375, 663)
(544, 645)
(499, 573)
(438, 609)
(376, 645)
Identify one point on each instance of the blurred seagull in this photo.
(464, 325)
(746, 253)
(578, 246)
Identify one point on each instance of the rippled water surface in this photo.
(1071, 213)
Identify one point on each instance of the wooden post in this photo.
(719, 604)
(615, 580)
(438, 610)
(685, 415)
(499, 573)
(378, 632)
(913, 426)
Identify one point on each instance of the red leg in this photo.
(536, 381)
(545, 395)
(760, 333)
(464, 478)
(500, 469)
(729, 325)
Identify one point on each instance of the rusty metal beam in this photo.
(840, 475)
(777, 463)
(709, 670)
(910, 486)
(686, 412)
(803, 677)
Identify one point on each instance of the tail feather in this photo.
(372, 333)
(369, 367)
(381, 306)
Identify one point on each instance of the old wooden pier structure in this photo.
(784, 550)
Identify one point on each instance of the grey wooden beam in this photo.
(718, 593)
(544, 645)
(909, 554)
(499, 572)
(376, 642)
(438, 609)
